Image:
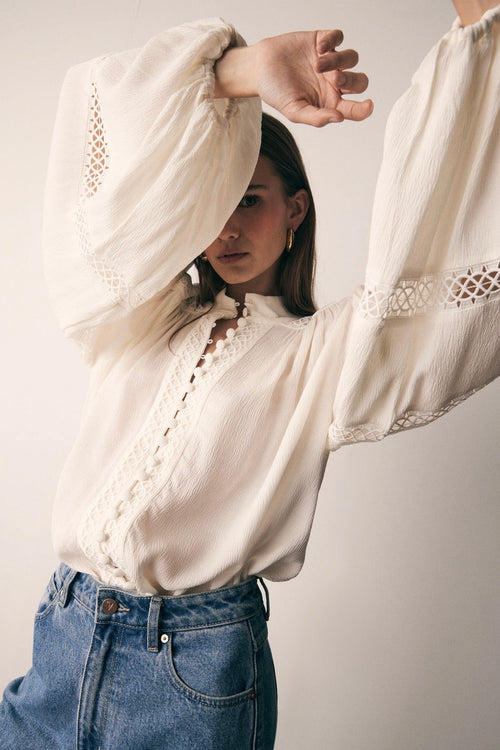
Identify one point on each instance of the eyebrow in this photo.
(257, 187)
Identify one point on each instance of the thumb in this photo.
(308, 114)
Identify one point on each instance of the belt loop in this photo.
(267, 608)
(64, 592)
(153, 620)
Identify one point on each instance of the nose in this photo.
(230, 230)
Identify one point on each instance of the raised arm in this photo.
(139, 134)
(424, 334)
(145, 168)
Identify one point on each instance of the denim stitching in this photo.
(197, 697)
(83, 604)
(79, 716)
(107, 696)
(260, 638)
(53, 591)
(256, 692)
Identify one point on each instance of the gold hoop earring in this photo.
(203, 256)
(290, 239)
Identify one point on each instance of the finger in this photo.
(348, 82)
(347, 58)
(308, 114)
(357, 111)
(328, 40)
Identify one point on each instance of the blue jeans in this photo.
(114, 669)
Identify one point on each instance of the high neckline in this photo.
(266, 306)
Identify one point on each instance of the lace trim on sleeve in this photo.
(371, 433)
(457, 288)
(96, 164)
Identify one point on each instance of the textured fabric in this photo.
(186, 478)
(114, 669)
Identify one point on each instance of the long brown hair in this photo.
(296, 268)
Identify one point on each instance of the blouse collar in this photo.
(256, 304)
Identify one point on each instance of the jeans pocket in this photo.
(214, 665)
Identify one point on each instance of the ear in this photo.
(298, 206)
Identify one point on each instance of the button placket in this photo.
(154, 460)
(106, 520)
(102, 536)
(197, 374)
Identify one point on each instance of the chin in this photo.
(234, 278)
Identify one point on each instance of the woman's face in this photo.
(250, 244)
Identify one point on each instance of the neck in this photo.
(265, 284)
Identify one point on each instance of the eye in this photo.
(248, 201)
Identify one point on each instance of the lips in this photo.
(231, 257)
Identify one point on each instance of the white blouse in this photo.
(186, 478)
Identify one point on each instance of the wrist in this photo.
(236, 73)
(471, 11)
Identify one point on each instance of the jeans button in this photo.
(109, 606)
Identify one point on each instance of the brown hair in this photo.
(296, 269)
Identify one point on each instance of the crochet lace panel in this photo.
(147, 465)
(371, 433)
(299, 322)
(97, 156)
(457, 288)
(96, 164)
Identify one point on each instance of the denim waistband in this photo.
(168, 613)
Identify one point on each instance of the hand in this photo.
(301, 74)
(304, 77)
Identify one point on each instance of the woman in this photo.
(205, 472)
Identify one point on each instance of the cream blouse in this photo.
(186, 478)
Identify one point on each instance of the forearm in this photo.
(471, 11)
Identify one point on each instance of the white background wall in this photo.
(389, 637)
